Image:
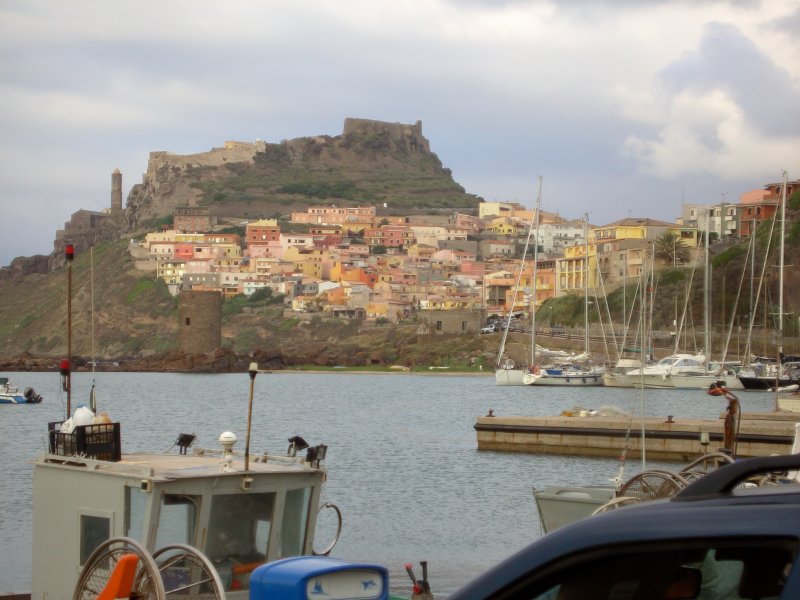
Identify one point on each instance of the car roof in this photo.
(728, 514)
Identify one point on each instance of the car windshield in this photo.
(701, 570)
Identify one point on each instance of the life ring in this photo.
(535, 370)
(330, 546)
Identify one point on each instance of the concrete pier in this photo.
(760, 434)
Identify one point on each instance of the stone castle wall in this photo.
(400, 131)
(230, 152)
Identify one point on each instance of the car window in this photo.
(702, 571)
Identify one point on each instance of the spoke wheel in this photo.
(101, 563)
(187, 574)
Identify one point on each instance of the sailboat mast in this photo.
(706, 324)
(780, 287)
(586, 284)
(534, 272)
(92, 399)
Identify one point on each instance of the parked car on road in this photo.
(488, 328)
(718, 538)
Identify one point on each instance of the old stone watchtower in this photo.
(200, 327)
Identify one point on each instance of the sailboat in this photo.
(507, 372)
(783, 372)
(572, 371)
(629, 358)
(683, 372)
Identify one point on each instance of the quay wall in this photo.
(679, 440)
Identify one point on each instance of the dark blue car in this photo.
(718, 539)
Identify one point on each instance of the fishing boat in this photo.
(238, 510)
(10, 394)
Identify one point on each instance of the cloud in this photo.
(724, 109)
(602, 98)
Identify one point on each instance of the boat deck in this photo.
(181, 466)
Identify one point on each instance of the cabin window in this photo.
(295, 518)
(94, 531)
(135, 505)
(239, 527)
(177, 519)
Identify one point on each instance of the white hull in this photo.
(579, 379)
(562, 505)
(701, 382)
(619, 380)
(509, 377)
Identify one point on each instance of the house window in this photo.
(463, 325)
(187, 320)
(438, 325)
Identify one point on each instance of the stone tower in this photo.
(116, 195)
(200, 327)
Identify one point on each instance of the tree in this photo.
(378, 249)
(672, 249)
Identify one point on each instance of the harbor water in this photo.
(402, 460)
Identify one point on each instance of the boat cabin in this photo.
(85, 492)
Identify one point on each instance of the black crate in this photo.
(100, 441)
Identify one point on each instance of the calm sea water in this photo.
(402, 459)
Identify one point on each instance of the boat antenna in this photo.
(253, 371)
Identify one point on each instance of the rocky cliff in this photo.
(371, 162)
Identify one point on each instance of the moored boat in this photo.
(10, 394)
(238, 510)
(564, 374)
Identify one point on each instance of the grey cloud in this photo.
(727, 59)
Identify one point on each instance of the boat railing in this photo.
(314, 456)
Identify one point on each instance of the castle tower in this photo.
(200, 326)
(116, 193)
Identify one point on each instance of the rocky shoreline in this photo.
(219, 361)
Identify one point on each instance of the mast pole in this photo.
(642, 316)
(70, 254)
(534, 272)
(586, 284)
(780, 288)
(706, 349)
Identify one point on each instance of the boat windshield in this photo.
(177, 520)
(238, 534)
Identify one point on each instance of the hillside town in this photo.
(351, 262)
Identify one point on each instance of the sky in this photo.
(625, 108)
